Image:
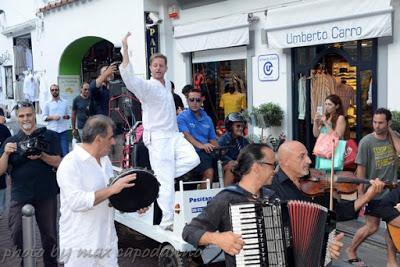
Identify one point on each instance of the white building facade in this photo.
(271, 45)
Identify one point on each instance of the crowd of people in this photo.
(179, 140)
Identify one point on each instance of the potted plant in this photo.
(268, 115)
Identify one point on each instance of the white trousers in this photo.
(79, 258)
(170, 157)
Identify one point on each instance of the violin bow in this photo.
(332, 175)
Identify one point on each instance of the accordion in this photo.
(293, 233)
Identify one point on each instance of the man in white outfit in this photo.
(171, 155)
(87, 232)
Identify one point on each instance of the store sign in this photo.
(268, 67)
(331, 32)
(69, 88)
(152, 40)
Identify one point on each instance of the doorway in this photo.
(346, 69)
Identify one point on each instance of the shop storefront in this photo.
(332, 53)
(218, 60)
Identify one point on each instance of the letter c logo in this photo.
(268, 68)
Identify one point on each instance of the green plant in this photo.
(396, 120)
(269, 114)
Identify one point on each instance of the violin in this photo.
(344, 182)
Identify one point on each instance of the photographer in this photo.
(99, 89)
(33, 180)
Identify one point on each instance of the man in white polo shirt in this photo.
(56, 113)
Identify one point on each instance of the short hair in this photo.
(54, 84)
(23, 104)
(187, 88)
(96, 125)
(158, 55)
(386, 112)
(82, 84)
(193, 90)
(249, 155)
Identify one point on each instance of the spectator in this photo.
(177, 100)
(56, 113)
(234, 125)
(33, 182)
(198, 129)
(81, 110)
(99, 89)
(4, 134)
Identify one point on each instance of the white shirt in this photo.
(60, 108)
(159, 114)
(83, 225)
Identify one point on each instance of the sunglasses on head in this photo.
(192, 99)
(22, 104)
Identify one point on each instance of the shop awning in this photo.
(211, 34)
(327, 21)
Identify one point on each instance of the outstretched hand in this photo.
(125, 40)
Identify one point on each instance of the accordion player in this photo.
(281, 233)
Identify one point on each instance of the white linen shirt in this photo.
(159, 113)
(83, 225)
(59, 108)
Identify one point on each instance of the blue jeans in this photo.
(63, 137)
(2, 201)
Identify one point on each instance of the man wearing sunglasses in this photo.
(170, 154)
(33, 181)
(198, 129)
(56, 113)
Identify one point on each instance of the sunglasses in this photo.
(274, 165)
(54, 90)
(22, 104)
(192, 99)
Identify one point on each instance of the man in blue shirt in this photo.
(198, 129)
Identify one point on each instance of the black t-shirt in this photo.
(178, 101)
(82, 108)
(4, 134)
(286, 190)
(32, 179)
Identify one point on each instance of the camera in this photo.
(35, 144)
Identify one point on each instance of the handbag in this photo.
(350, 154)
(325, 164)
(323, 146)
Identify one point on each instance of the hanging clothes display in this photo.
(322, 85)
(302, 97)
(44, 92)
(346, 94)
(31, 88)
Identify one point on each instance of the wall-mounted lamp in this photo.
(1, 11)
(251, 18)
(155, 19)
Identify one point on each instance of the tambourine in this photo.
(141, 195)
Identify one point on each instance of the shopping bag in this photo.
(325, 164)
(350, 154)
(323, 146)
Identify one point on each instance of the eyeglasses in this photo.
(54, 90)
(274, 165)
(22, 104)
(192, 99)
(239, 126)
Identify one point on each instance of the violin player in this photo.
(294, 163)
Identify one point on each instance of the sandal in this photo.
(357, 262)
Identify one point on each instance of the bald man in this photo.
(294, 164)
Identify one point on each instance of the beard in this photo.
(27, 126)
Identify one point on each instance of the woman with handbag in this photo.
(333, 122)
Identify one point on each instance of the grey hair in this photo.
(96, 125)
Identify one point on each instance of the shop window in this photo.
(214, 79)
(345, 69)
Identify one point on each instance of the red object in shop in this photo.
(173, 12)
